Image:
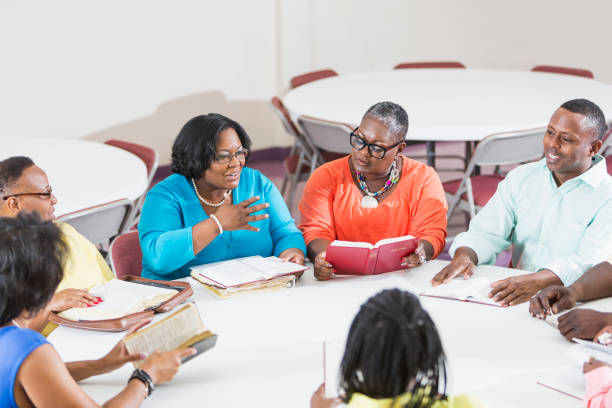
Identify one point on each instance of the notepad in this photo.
(120, 298)
(468, 290)
(244, 271)
(182, 329)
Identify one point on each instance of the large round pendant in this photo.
(369, 202)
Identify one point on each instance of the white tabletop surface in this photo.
(269, 350)
(449, 104)
(82, 173)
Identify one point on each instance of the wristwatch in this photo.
(145, 378)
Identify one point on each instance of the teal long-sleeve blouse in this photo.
(172, 208)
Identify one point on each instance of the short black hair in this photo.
(195, 146)
(11, 170)
(393, 347)
(392, 115)
(592, 112)
(31, 264)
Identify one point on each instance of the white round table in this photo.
(82, 173)
(270, 347)
(449, 104)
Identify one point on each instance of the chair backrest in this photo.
(149, 157)
(101, 223)
(300, 80)
(146, 154)
(125, 255)
(283, 114)
(433, 64)
(563, 70)
(326, 135)
(508, 148)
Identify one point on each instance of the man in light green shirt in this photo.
(556, 213)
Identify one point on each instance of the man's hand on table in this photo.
(518, 289)
(462, 264)
(583, 323)
(552, 300)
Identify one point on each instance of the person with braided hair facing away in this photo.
(393, 359)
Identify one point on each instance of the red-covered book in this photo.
(363, 258)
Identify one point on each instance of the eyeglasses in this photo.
(225, 158)
(376, 151)
(42, 196)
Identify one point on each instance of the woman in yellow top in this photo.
(24, 187)
(393, 359)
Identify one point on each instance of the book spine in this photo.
(371, 261)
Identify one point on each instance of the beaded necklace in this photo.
(369, 200)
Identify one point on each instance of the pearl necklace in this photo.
(208, 203)
(369, 200)
(15, 323)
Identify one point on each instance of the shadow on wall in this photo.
(160, 129)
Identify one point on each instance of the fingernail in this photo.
(267, 205)
(89, 305)
(99, 298)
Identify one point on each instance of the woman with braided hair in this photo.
(393, 359)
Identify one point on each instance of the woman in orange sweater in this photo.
(374, 193)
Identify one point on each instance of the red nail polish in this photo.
(89, 305)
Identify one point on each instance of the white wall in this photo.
(137, 70)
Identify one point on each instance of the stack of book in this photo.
(249, 275)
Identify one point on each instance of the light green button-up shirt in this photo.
(566, 229)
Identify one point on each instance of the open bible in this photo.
(120, 298)
(363, 258)
(241, 276)
(468, 290)
(182, 329)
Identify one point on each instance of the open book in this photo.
(570, 380)
(121, 298)
(363, 258)
(180, 330)
(243, 271)
(468, 290)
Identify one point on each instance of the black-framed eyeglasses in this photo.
(376, 151)
(225, 158)
(42, 196)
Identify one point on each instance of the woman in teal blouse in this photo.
(213, 208)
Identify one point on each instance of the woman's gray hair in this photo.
(392, 115)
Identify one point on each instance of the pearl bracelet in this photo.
(214, 217)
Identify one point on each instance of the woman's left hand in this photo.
(419, 257)
(292, 255)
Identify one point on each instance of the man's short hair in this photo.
(593, 113)
(31, 264)
(11, 170)
(392, 115)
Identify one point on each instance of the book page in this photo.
(569, 381)
(119, 298)
(272, 266)
(392, 240)
(352, 244)
(167, 334)
(230, 273)
(476, 289)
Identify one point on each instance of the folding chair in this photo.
(149, 157)
(300, 80)
(563, 70)
(301, 153)
(471, 193)
(125, 255)
(101, 223)
(433, 64)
